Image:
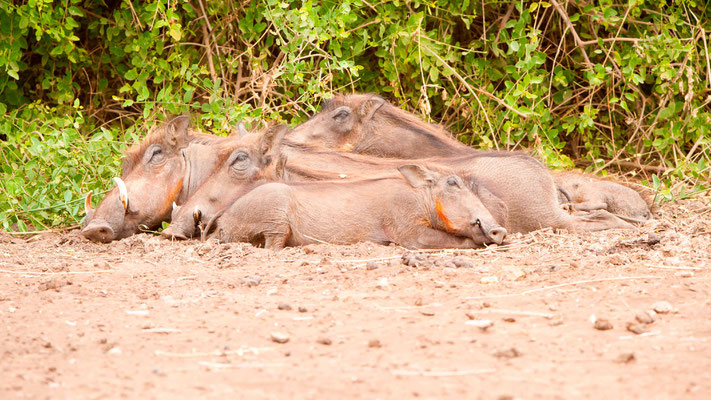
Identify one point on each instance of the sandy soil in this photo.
(147, 318)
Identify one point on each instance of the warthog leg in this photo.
(598, 220)
(428, 238)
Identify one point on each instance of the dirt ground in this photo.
(147, 318)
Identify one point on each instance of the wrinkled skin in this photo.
(368, 125)
(426, 209)
(162, 170)
(243, 163)
(582, 193)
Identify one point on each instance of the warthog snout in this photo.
(171, 233)
(497, 234)
(98, 231)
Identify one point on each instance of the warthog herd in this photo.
(360, 169)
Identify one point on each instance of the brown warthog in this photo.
(427, 209)
(243, 163)
(524, 197)
(367, 124)
(165, 168)
(584, 193)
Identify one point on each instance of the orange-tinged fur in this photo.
(440, 214)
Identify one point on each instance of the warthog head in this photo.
(455, 207)
(156, 173)
(244, 162)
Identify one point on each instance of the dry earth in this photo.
(147, 318)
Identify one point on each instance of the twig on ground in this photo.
(405, 372)
(4, 271)
(542, 289)
(239, 352)
(514, 312)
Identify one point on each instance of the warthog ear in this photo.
(280, 168)
(176, 132)
(416, 176)
(370, 106)
(240, 131)
(271, 139)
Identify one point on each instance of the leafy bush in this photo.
(599, 85)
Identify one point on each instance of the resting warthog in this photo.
(165, 168)
(427, 209)
(369, 125)
(584, 193)
(243, 163)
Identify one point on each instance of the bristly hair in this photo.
(134, 153)
(395, 114)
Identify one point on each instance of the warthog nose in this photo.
(497, 234)
(169, 233)
(98, 232)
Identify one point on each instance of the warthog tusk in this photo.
(175, 206)
(196, 214)
(123, 193)
(87, 203)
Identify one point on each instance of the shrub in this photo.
(599, 85)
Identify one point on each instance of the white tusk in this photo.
(87, 203)
(123, 193)
(196, 214)
(175, 206)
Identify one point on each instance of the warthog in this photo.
(165, 168)
(583, 193)
(243, 163)
(369, 125)
(427, 209)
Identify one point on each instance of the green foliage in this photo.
(627, 84)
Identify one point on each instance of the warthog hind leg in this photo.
(598, 220)
(428, 238)
(589, 206)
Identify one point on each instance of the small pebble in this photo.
(644, 317)
(482, 324)
(488, 280)
(371, 266)
(602, 325)
(556, 322)
(284, 306)
(663, 307)
(635, 328)
(279, 337)
(509, 319)
(382, 283)
(324, 341)
(450, 264)
(374, 343)
(507, 353)
(684, 274)
(427, 313)
(461, 263)
(625, 358)
(250, 281)
(303, 309)
(652, 239)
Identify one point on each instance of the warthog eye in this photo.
(240, 161)
(341, 115)
(452, 181)
(154, 154)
